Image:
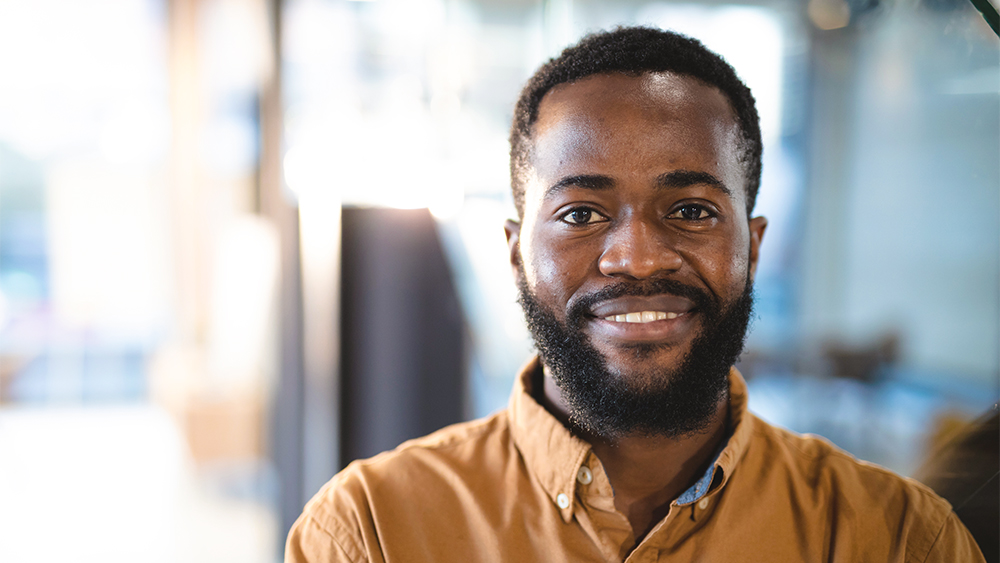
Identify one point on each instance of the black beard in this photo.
(677, 403)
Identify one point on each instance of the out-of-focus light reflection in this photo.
(67, 69)
(134, 134)
(445, 198)
(309, 174)
(829, 14)
(243, 291)
(382, 163)
(386, 146)
(406, 21)
(107, 249)
(236, 36)
(109, 469)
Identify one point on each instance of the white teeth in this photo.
(641, 317)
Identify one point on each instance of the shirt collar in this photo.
(551, 452)
(554, 455)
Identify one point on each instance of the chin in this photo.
(644, 361)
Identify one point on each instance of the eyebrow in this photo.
(671, 180)
(586, 181)
(685, 178)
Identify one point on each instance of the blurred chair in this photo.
(862, 363)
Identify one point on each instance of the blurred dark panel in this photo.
(402, 332)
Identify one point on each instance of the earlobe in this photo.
(757, 227)
(513, 231)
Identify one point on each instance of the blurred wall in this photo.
(901, 223)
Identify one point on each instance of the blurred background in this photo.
(243, 242)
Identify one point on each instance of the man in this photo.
(635, 162)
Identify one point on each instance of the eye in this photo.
(691, 212)
(583, 216)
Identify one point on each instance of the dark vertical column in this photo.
(402, 331)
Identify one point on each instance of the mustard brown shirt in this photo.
(518, 486)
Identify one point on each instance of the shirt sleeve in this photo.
(954, 543)
(309, 542)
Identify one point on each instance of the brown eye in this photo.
(691, 213)
(580, 216)
(583, 216)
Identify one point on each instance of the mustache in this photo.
(582, 307)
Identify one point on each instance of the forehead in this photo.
(628, 125)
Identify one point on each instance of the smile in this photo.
(642, 317)
(664, 319)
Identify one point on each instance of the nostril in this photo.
(638, 264)
(639, 259)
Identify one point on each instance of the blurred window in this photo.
(84, 141)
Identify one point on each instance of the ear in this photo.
(513, 231)
(757, 227)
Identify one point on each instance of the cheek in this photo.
(723, 263)
(540, 269)
(553, 271)
(739, 262)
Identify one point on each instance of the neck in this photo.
(648, 472)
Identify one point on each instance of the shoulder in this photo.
(400, 484)
(822, 466)
(454, 452)
(831, 489)
(453, 449)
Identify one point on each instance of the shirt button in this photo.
(703, 503)
(562, 500)
(584, 475)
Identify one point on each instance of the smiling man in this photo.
(635, 163)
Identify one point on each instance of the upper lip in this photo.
(666, 303)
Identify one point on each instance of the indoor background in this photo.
(243, 242)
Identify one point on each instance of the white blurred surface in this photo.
(115, 484)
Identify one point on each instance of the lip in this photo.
(665, 331)
(636, 303)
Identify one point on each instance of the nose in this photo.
(637, 249)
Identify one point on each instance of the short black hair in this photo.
(636, 51)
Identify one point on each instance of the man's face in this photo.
(635, 235)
